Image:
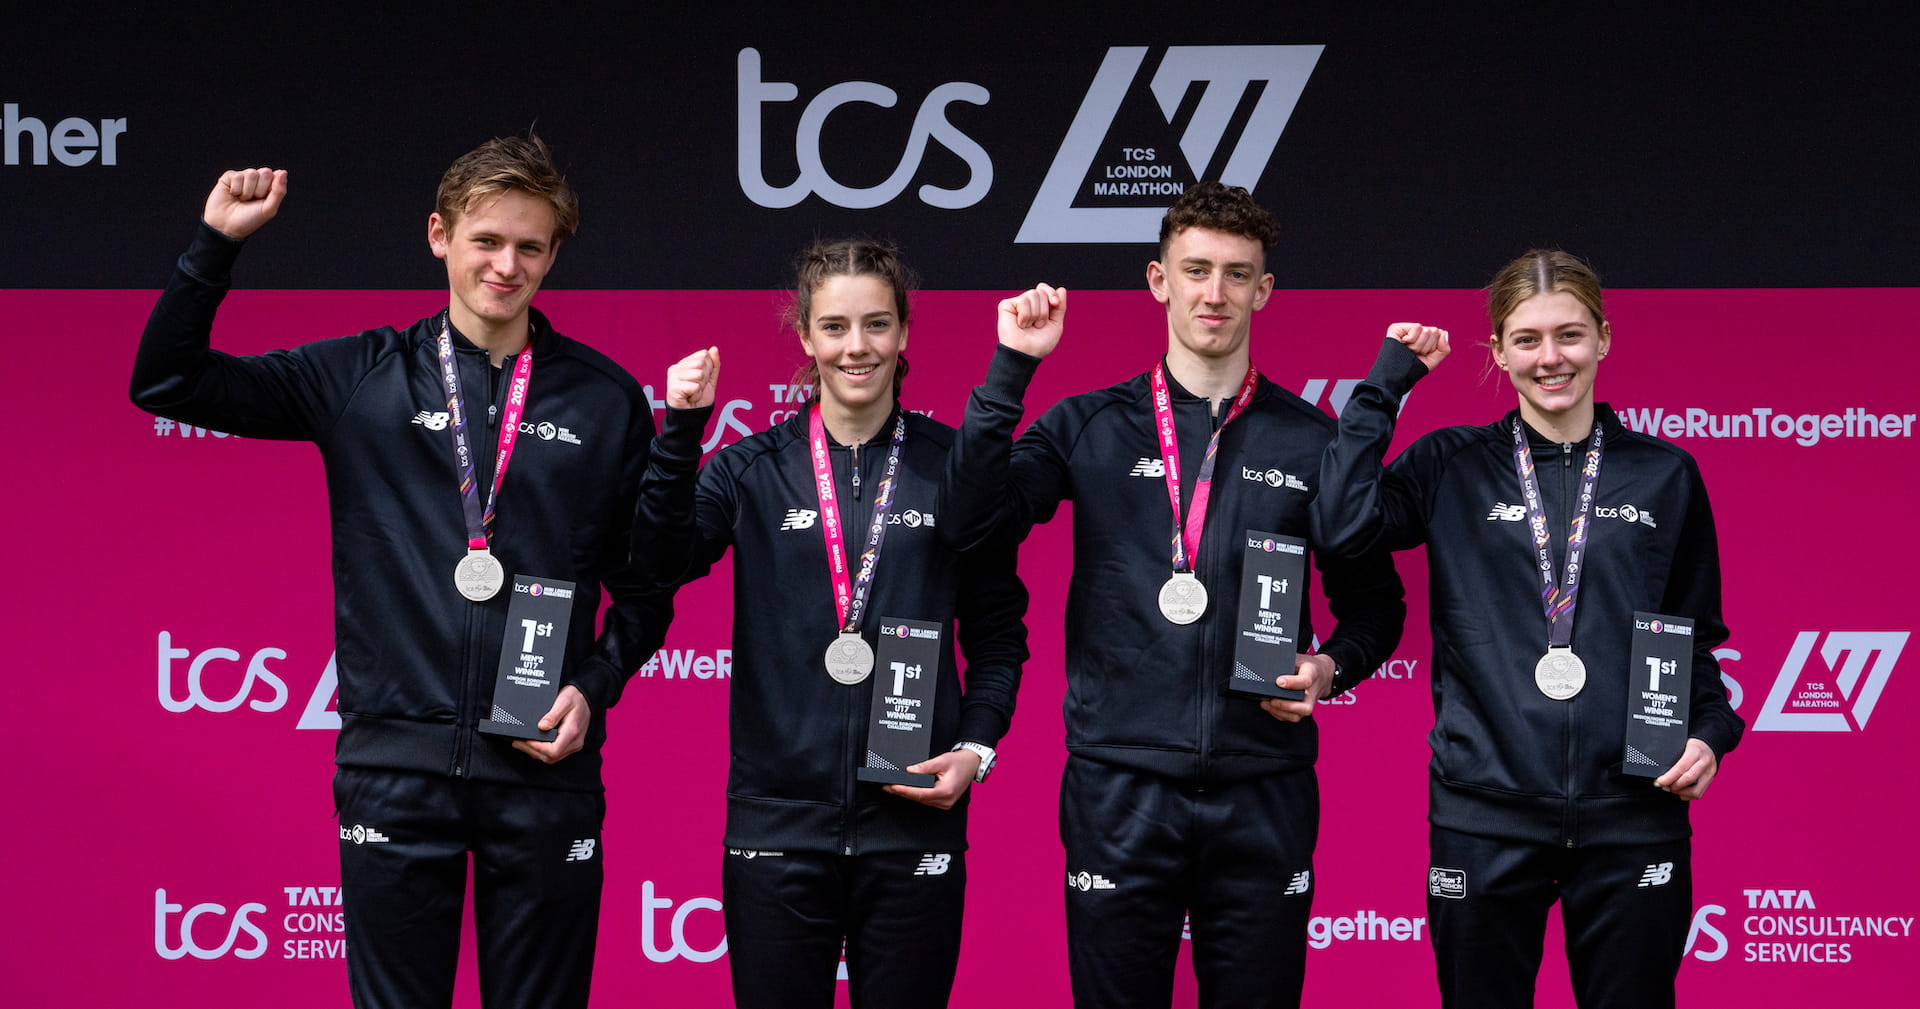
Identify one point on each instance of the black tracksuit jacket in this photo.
(416, 660)
(1508, 761)
(795, 736)
(1143, 692)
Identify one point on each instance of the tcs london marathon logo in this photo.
(1116, 170)
(1838, 691)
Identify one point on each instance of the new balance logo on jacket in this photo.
(1504, 512)
(1657, 874)
(799, 518)
(932, 864)
(1302, 882)
(1155, 468)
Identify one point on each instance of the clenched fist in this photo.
(1426, 342)
(691, 380)
(244, 200)
(1031, 322)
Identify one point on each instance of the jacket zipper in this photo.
(476, 616)
(850, 750)
(1567, 825)
(1209, 695)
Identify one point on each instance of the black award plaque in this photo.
(530, 658)
(1658, 693)
(1273, 581)
(907, 666)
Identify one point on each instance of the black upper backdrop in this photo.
(1674, 149)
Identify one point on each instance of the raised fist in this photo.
(244, 200)
(691, 380)
(1031, 322)
(1426, 342)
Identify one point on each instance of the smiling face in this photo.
(1211, 282)
(1550, 346)
(854, 334)
(497, 254)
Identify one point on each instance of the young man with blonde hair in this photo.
(443, 516)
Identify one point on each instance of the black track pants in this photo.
(1143, 850)
(1625, 910)
(787, 913)
(537, 875)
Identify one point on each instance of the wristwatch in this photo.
(981, 750)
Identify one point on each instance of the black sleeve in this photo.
(993, 640)
(663, 525)
(1369, 608)
(640, 604)
(285, 394)
(1363, 506)
(1693, 590)
(716, 502)
(995, 488)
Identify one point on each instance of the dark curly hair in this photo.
(1218, 207)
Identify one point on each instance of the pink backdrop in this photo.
(172, 840)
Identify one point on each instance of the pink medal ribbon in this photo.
(850, 591)
(1186, 543)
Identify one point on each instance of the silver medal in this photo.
(849, 658)
(479, 575)
(1560, 674)
(1183, 599)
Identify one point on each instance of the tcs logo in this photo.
(259, 688)
(189, 944)
(929, 123)
(676, 928)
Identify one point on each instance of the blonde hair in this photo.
(503, 164)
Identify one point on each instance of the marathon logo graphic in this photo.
(1626, 513)
(1662, 627)
(753, 853)
(1273, 478)
(904, 631)
(1448, 883)
(361, 834)
(548, 431)
(1805, 430)
(1839, 698)
(1087, 881)
(537, 589)
(911, 518)
(1120, 166)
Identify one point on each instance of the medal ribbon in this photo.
(1186, 542)
(1557, 599)
(850, 592)
(480, 521)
